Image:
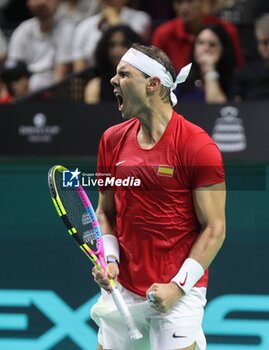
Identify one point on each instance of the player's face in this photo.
(130, 89)
(263, 44)
(188, 10)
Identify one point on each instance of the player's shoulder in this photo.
(187, 128)
(191, 135)
(116, 132)
(194, 144)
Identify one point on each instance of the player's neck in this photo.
(153, 126)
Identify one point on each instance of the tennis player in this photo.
(161, 236)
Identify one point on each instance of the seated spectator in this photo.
(3, 47)
(252, 80)
(43, 43)
(213, 67)
(16, 76)
(112, 46)
(77, 10)
(4, 96)
(89, 31)
(176, 36)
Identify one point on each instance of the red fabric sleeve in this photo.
(103, 164)
(204, 161)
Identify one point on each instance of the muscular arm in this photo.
(209, 203)
(106, 212)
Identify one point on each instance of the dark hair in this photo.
(101, 53)
(13, 70)
(226, 64)
(161, 57)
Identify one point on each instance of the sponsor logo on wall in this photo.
(229, 132)
(39, 131)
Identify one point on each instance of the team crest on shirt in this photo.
(165, 170)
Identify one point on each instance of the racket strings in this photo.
(77, 216)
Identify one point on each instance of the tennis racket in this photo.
(76, 211)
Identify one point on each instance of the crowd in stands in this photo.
(60, 41)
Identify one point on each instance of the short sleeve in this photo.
(204, 162)
(103, 170)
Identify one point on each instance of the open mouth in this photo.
(120, 100)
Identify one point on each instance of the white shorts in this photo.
(178, 328)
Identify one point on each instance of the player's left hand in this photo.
(165, 295)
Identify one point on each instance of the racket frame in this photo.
(100, 263)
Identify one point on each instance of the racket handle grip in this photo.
(133, 331)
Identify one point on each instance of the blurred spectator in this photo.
(77, 10)
(213, 67)
(4, 97)
(176, 36)
(112, 46)
(89, 31)
(3, 47)
(252, 80)
(43, 43)
(16, 76)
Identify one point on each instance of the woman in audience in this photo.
(15, 76)
(213, 67)
(112, 46)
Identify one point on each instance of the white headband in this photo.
(154, 69)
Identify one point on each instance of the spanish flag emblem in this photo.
(165, 170)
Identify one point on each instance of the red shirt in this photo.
(156, 222)
(173, 39)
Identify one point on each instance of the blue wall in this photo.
(46, 289)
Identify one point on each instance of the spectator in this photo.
(112, 46)
(252, 80)
(213, 67)
(4, 96)
(176, 36)
(89, 31)
(77, 10)
(16, 76)
(43, 43)
(3, 47)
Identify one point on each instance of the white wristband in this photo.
(111, 246)
(212, 75)
(188, 275)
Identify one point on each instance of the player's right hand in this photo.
(102, 279)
